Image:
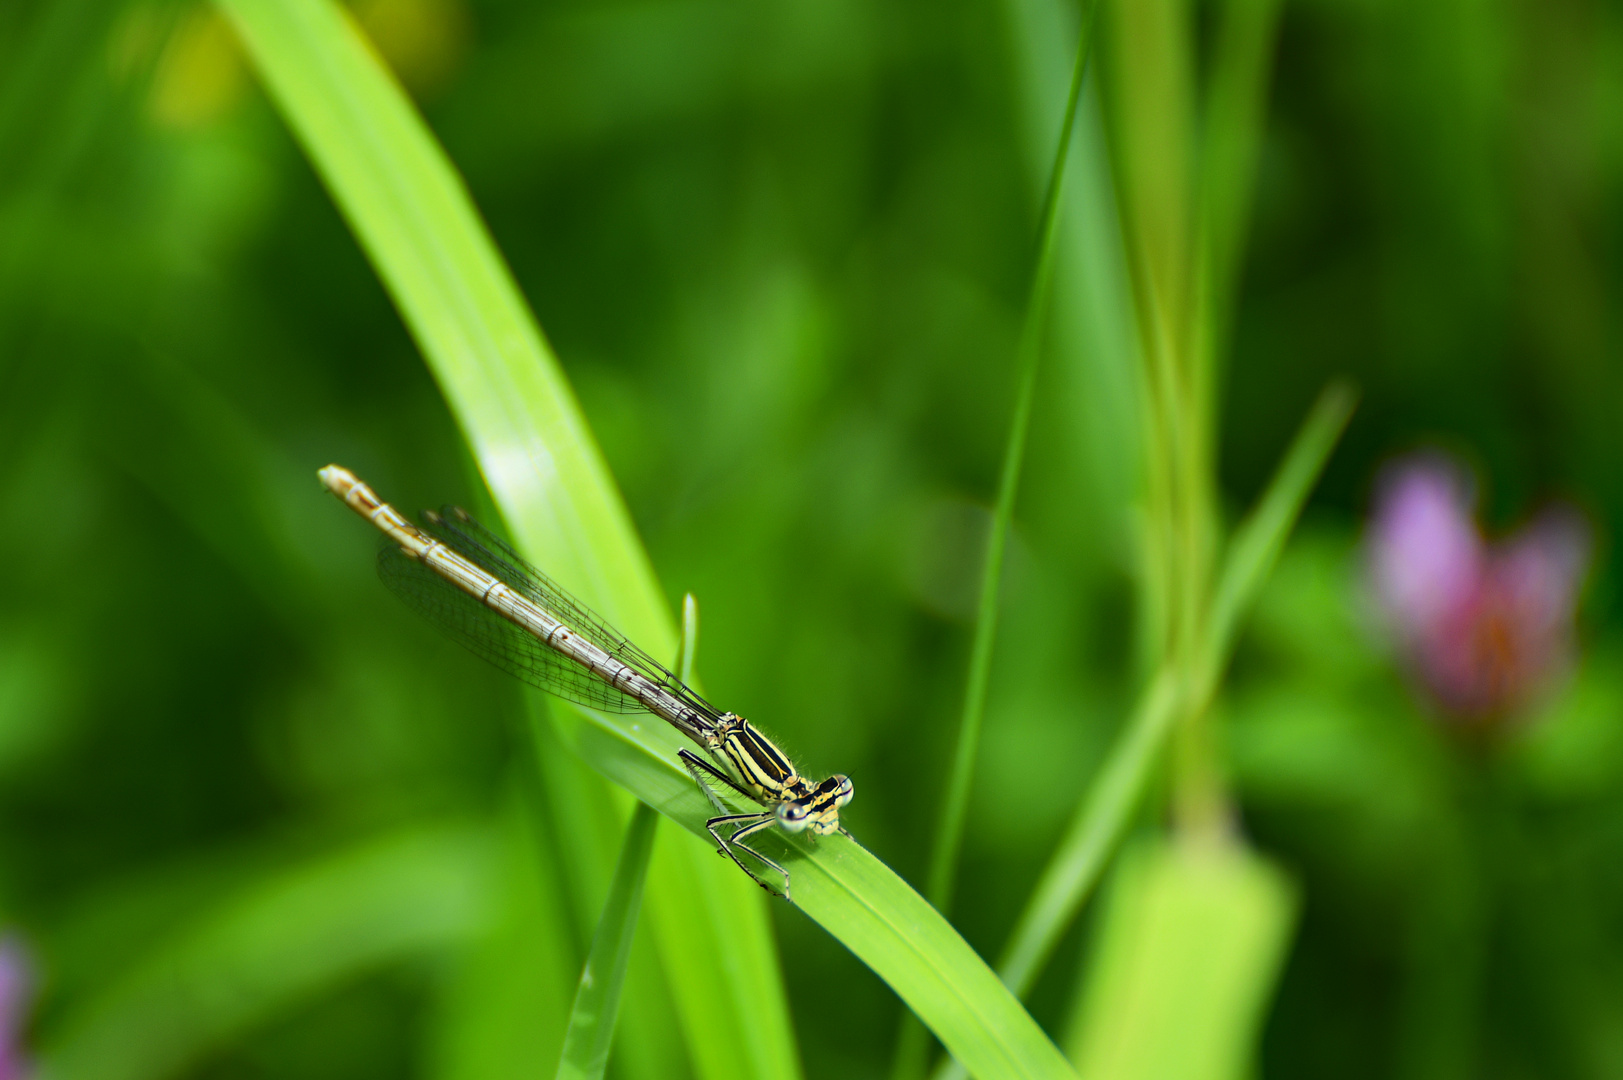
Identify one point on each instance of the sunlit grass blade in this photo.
(295, 934)
(417, 224)
(413, 216)
(597, 1002)
(687, 652)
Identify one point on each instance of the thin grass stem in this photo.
(949, 839)
(597, 999)
(912, 1044)
(590, 1035)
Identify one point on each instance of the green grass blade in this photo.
(597, 1002)
(1256, 544)
(590, 1035)
(293, 935)
(911, 1046)
(418, 226)
(871, 910)
(867, 907)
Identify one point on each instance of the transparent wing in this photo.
(508, 646)
(493, 638)
(490, 552)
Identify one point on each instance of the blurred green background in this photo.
(256, 821)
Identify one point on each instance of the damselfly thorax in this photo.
(472, 585)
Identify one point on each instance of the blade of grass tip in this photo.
(687, 653)
(417, 224)
(866, 906)
(597, 1001)
(911, 1044)
(1258, 541)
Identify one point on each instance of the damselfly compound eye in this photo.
(793, 816)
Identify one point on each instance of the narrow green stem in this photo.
(944, 856)
(597, 1000)
(912, 1043)
(1176, 691)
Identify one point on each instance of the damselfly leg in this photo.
(704, 774)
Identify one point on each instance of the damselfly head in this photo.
(816, 808)
(830, 795)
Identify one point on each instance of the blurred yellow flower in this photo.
(423, 41)
(201, 74)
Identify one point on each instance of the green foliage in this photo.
(533, 449)
(286, 938)
(256, 821)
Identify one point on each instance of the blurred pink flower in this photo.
(1483, 626)
(16, 994)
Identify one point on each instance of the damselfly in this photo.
(481, 592)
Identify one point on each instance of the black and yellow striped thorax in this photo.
(764, 769)
(770, 777)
